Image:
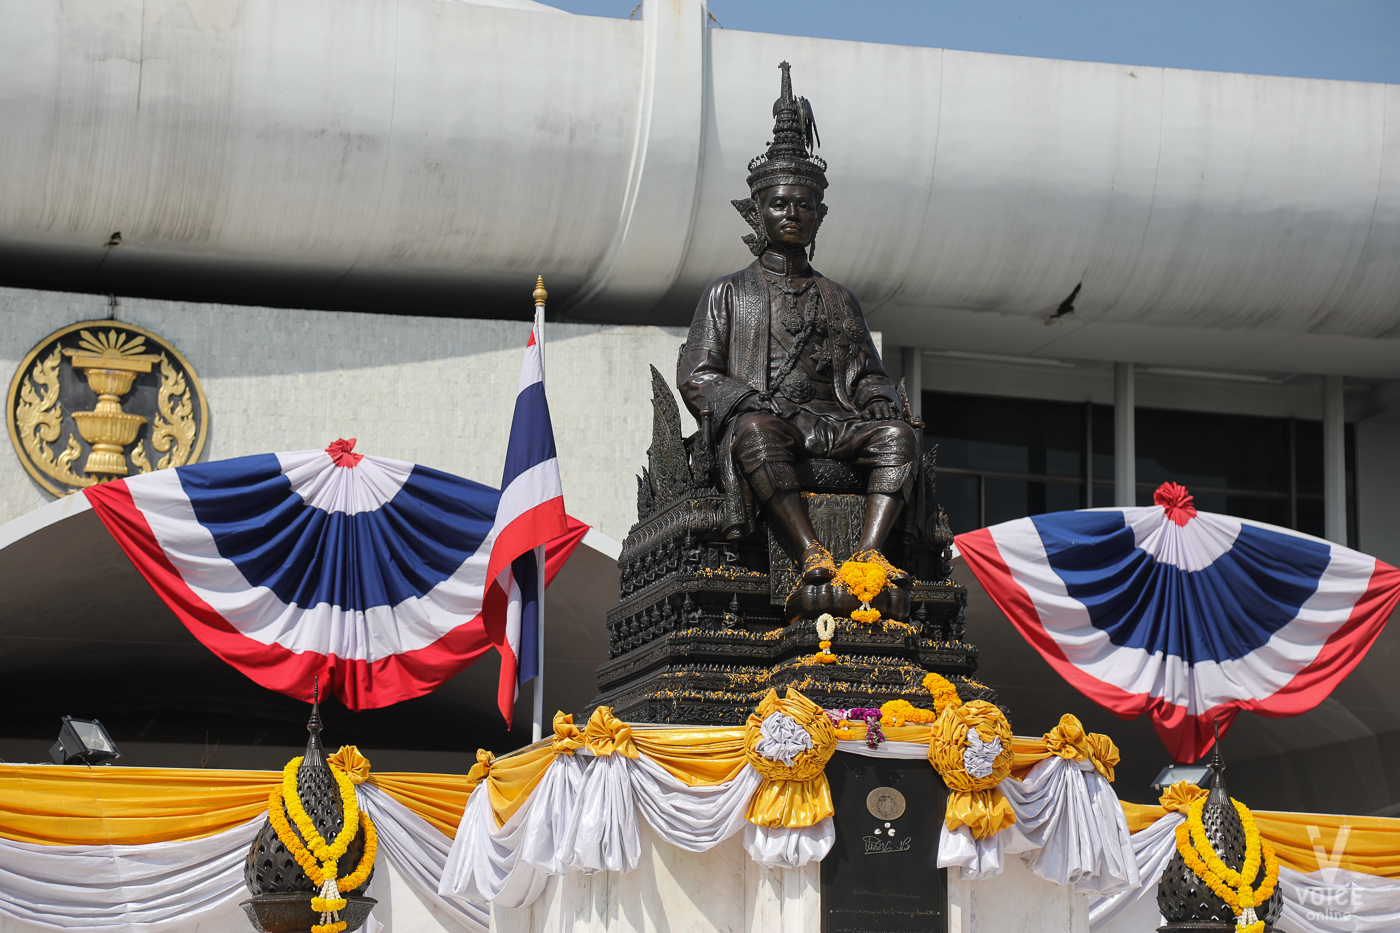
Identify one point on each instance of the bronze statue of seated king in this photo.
(780, 365)
(805, 457)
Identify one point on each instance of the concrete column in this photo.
(911, 361)
(1334, 460)
(1124, 437)
(652, 234)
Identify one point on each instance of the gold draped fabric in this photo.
(605, 735)
(972, 801)
(1370, 846)
(1069, 740)
(1066, 740)
(513, 778)
(698, 755)
(798, 795)
(349, 760)
(72, 805)
(437, 798)
(567, 738)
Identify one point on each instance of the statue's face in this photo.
(790, 214)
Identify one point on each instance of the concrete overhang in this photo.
(433, 157)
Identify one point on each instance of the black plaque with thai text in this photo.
(882, 875)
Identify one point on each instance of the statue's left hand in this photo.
(881, 410)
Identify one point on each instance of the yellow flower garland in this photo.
(865, 581)
(943, 692)
(899, 712)
(1232, 887)
(350, 808)
(284, 800)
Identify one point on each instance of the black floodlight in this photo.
(83, 742)
(1191, 774)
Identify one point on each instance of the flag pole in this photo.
(537, 726)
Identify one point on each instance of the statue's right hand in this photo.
(758, 401)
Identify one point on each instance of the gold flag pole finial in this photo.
(540, 294)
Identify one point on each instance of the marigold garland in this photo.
(1231, 886)
(899, 712)
(350, 808)
(865, 581)
(315, 871)
(317, 858)
(943, 692)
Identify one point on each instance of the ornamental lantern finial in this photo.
(1192, 902)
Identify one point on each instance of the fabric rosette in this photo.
(971, 750)
(349, 760)
(789, 742)
(607, 735)
(1179, 797)
(567, 737)
(1069, 740)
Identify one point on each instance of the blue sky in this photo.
(1353, 40)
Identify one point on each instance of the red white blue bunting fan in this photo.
(382, 577)
(1184, 615)
(369, 572)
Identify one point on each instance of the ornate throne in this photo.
(705, 625)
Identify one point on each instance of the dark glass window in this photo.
(1005, 458)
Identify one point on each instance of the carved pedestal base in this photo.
(712, 662)
(876, 663)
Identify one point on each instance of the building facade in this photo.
(1093, 277)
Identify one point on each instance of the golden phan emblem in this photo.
(100, 400)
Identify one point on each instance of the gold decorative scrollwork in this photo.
(39, 420)
(134, 414)
(138, 457)
(173, 429)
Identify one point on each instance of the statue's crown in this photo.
(789, 159)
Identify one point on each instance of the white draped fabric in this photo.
(583, 816)
(1069, 829)
(1331, 900)
(169, 886)
(418, 852)
(1152, 849)
(148, 888)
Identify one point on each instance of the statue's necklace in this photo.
(795, 318)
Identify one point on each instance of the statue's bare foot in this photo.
(817, 566)
(895, 576)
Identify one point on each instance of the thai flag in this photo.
(1185, 616)
(382, 577)
(530, 514)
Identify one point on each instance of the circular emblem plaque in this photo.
(885, 803)
(100, 400)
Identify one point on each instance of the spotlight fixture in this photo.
(83, 742)
(1191, 774)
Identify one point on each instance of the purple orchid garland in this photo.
(873, 734)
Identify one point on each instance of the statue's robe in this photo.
(732, 352)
